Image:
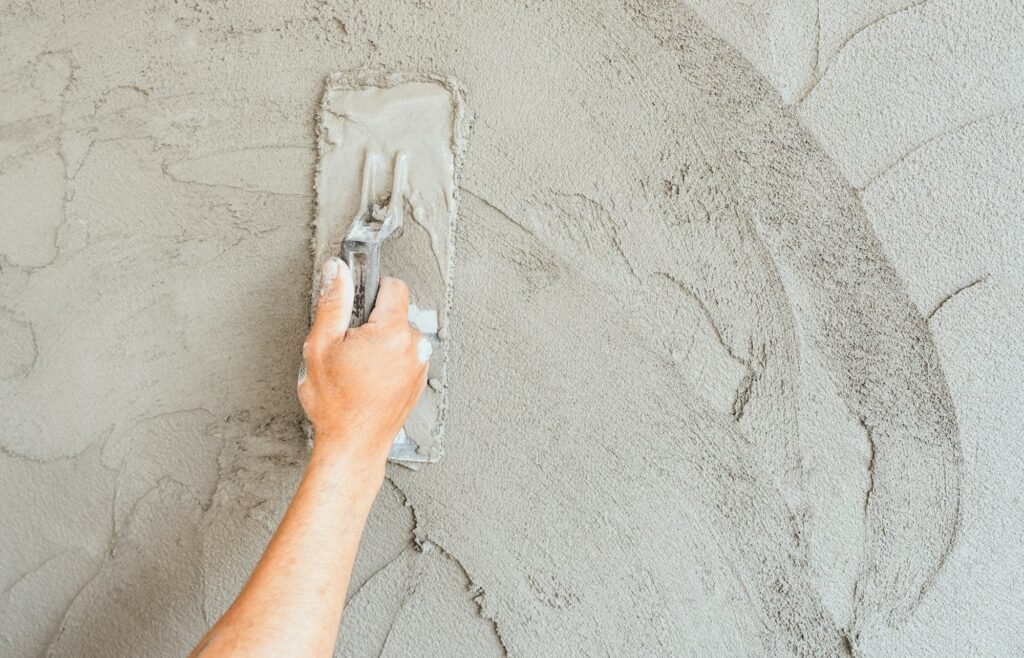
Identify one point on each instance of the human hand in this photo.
(361, 383)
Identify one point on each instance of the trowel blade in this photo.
(418, 117)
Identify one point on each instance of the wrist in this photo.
(359, 477)
(357, 444)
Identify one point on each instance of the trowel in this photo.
(379, 217)
(389, 149)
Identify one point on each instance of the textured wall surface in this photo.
(735, 356)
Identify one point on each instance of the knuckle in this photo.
(394, 340)
(311, 348)
(397, 340)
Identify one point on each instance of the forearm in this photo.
(359, 386)
(292, 603)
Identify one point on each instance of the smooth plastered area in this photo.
(734, 361)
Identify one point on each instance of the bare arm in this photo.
(360, 386)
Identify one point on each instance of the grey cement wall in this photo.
(735, 357)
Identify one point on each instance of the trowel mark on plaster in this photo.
(30, 573)
(913, 149)
(34, 118)
(583, 221)
(33, 199)
(745, 388)
(967, 286)
(28, 620)
(779, 38)
(887, 370)
(477, 595)
(18, 347)
(258, 466)
(273, 169)
(720, 472)
(869, 437)
(588, 236)
(116, 536)
(891, 92)
(754, 314)
(127, 305)
(417, 598)
(821, 70)
(855, 308)
(181, 444)
(161, 533)
(400, 591)
(419, 538)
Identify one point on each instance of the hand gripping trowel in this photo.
(378, 218)
(388, 155)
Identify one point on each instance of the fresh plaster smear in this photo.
(699, 403)
(387, 115)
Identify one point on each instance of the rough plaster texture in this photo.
(736, 359)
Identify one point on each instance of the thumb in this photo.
(334, 306)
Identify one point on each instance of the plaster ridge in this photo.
(869, 436)
(487, 202)
(35, 569)
(67, 610)
(945, 133)
(706, 313)
(745, 388)
(947, 298)
(850, 37)
(422, 543)
(476, 593)
(108, 554)
(165, 167)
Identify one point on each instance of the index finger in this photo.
(334, 305)
(392, 303)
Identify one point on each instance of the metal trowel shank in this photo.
(380, 216)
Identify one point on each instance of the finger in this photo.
(334, 305)
(392, 303)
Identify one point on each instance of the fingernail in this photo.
(424, 349)
(330, 273)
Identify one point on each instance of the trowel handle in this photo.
(363, 259)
